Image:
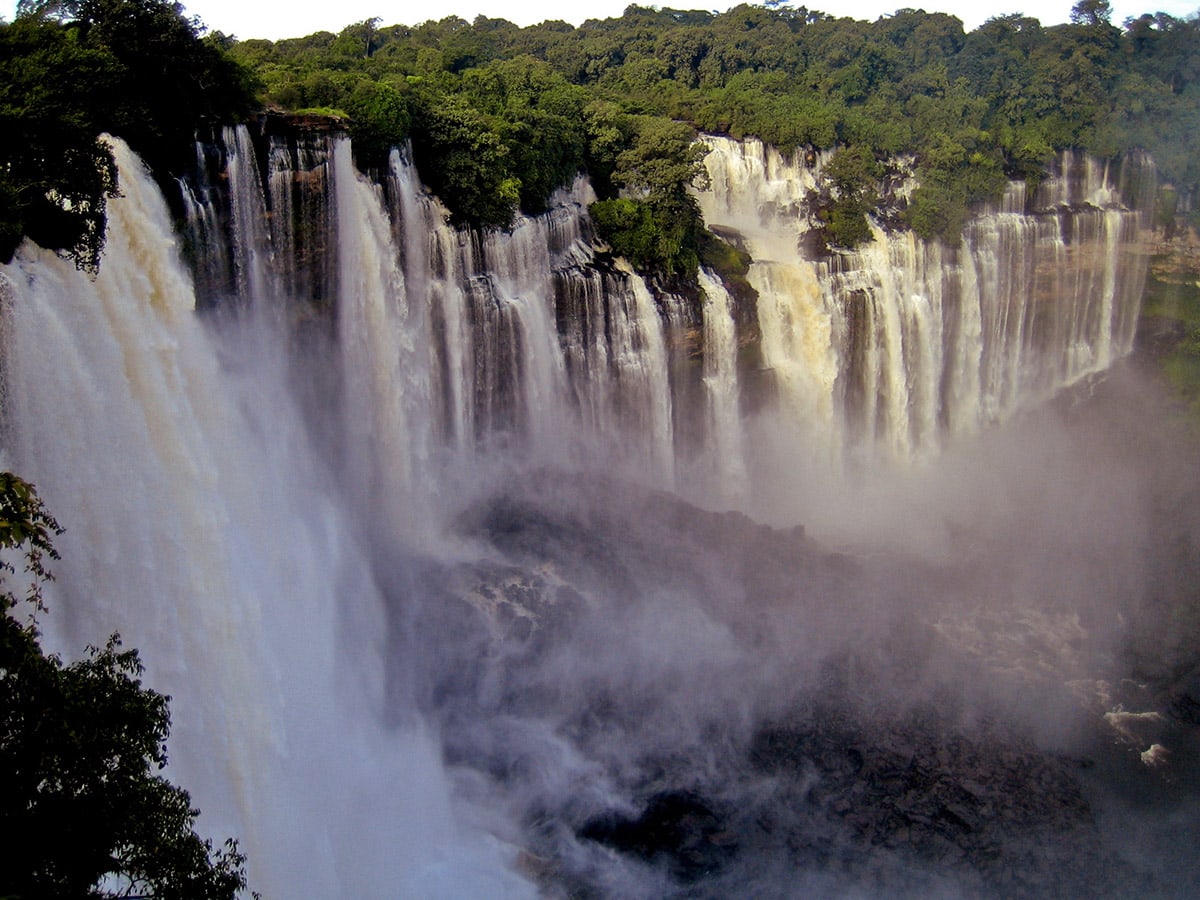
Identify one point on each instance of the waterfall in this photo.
(533, 346)
(891, 296)
(201, 528)
(527, 342)
(721, 389)
(252, 250)
(251, 483)
(298, 182)
(204, 239)
(384, 363)
(901, 342)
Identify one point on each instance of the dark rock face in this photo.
(299, 126)
(677, 829)
(988, 812)
(684, 703)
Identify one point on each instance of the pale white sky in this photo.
(276, 19)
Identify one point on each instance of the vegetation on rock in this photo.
(656, 222)
(71, 71)
(83, 811)
(500, 116)
(1172, 319)
(547, 101)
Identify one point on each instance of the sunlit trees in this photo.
(973, 108)
(464, 161)
(501, 116)
(657, 223)
(854, 174)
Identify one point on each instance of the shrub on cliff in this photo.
(70, 71)
(83, 811)
(656, 223)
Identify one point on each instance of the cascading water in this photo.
(203, 530)
(383, 361)
(900, 342)
(721, 388)
(524, 340)
(278, 500)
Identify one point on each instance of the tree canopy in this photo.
(973, 109)
(71, 71)
(84, 812)
(499, 116)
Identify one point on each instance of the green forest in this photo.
(499, 116)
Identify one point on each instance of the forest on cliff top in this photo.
(499, 116)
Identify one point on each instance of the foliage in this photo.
(628, 227)
(1182, 369)
(70, 71)
(26, 526)
(657, 224)
(1172, 307)
(167, 81)
(464, 160)
(55, 176)
(854, 173)
(381, 121)
(662, 160)
(538, 116)
(83, 812)
(1091, 12)
(731, 263)
(551, 100)
(608, 131)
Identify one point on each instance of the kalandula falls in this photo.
(476, 565)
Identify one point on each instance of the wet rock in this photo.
(987, 809)
(676, 828)
(1185, 708)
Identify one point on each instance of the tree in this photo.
(83, 811)
(1091, 12)
(357, 41)
(854, 173)
(55, 176)
(657, 225)
(72, 70)
(59, 9)
(974, 108)
(464, 161)
(380, 120)
(168, 81)
(540, 121)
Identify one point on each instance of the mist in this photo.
(477, 603)
(946, 688)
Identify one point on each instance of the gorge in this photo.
(475, 566)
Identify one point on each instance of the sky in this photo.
(275, 19)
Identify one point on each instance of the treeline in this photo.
(500, 115)
(70, 71)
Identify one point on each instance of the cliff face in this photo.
(884, 352)
(1170, 327)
